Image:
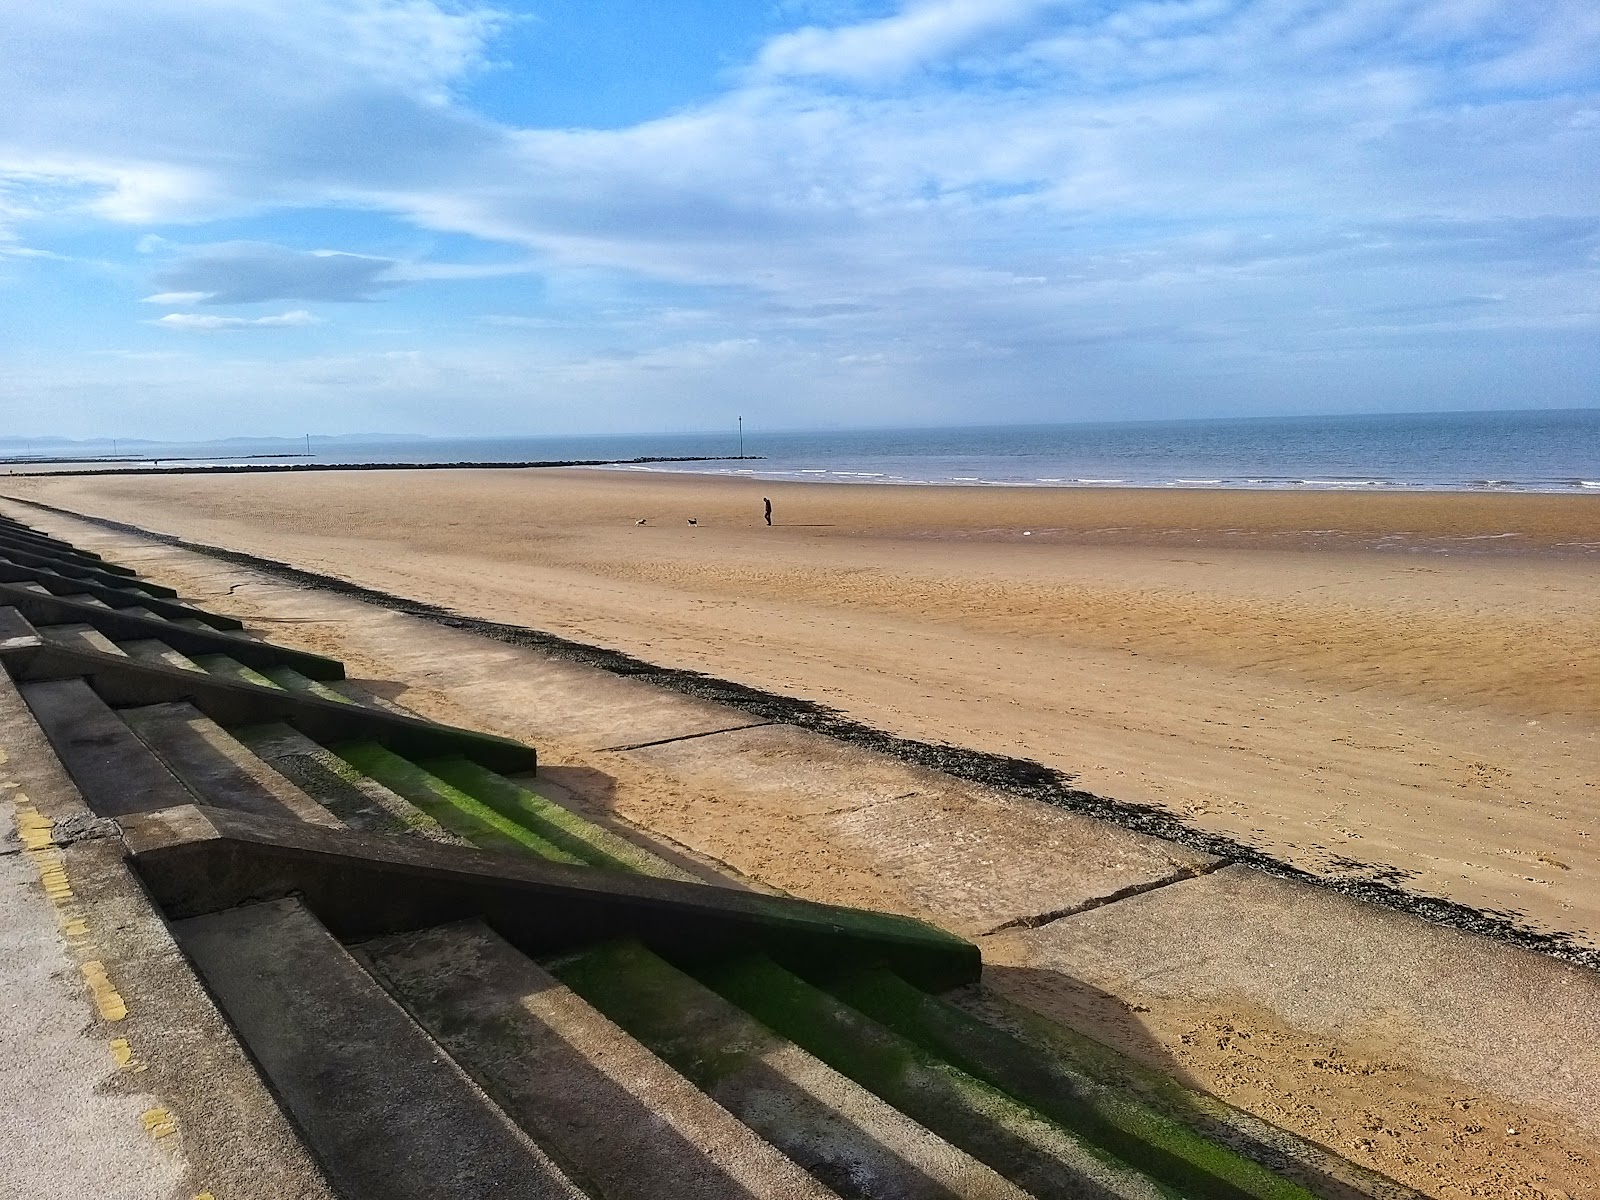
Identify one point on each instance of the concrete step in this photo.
(232, 668)
(1045, 1158)
(153, 650)
(623, 1124)
(356, 694)
(217, 767)
(116, 772)
(34, 542)
(80, 637)
(194, 623)
(384, 1108)
(1196, 1163)
(360, 802)
(65, 564)
(465, 816)
(291, 680)
(833, 1127)
(559, 826)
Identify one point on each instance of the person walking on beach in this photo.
(766, 506)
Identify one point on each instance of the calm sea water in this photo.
(1550, 451)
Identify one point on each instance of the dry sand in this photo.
(1361, 684)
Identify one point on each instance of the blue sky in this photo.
(419, 216)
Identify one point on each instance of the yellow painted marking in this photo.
(205, 1196)
(4, 756)
(158, 1123)
(122, 1051)
(33, 827)
(38, 839)
(107, 1000)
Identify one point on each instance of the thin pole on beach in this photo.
(741, 437)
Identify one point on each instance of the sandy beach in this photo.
(1400, 687)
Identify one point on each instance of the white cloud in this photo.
(206, 323)
(249, 272)
(888, 47)
(176, 298)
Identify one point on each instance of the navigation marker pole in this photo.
(741, 437)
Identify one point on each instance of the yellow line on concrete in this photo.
(159, 1124)
(107, 1000)
(126, 1059)
(37, 834)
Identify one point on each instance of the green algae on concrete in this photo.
(1045, 1158)
(230, 668)
(291, 680)
(843, 1135)
(447, 804)
(1158, 1144)
(656, 1003)
(358, 801)
(559, 826)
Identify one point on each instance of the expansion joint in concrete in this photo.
(684, 737)
(1038, 920)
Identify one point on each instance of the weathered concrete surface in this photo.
(198, 860)
(164, 1073)
(826, 1122)
(588, 1092)
(371, 1090)
(68, 1133)
(214, 764)
(1501, 1020)
(977, 859)
(112, 768)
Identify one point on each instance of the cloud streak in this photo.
(206, 323)
(250, 272)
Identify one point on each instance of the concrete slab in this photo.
(518, 687)
(81, 637)
(337, 787)
(117, 772)
(78, 1137)
(978, 859)
(215, 765)
(1506, 1022)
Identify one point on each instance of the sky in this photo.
(266, 217)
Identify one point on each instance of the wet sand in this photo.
(1401, 687)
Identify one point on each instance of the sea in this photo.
(1551, 451)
